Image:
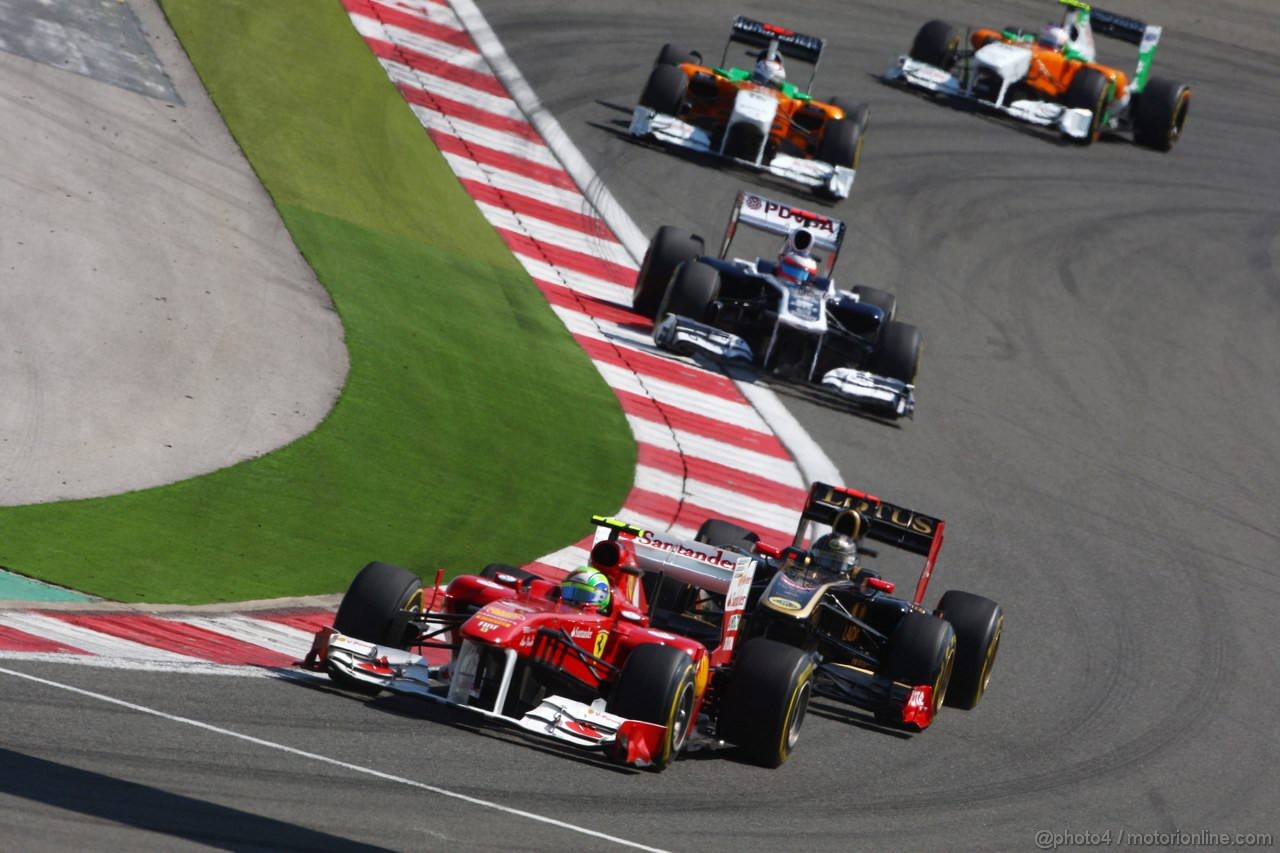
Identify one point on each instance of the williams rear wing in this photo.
(891, 524)
(776, 217)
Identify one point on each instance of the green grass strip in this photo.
(472, 429)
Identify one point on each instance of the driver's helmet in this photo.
(586, 587)
(769, 70)
(1053, 36)
(796, 267)
(836, 553)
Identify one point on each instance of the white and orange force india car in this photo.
(846, 345)
(661, 671)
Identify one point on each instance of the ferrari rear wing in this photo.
(891, 524)
(788, 42)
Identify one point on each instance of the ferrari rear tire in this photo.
(1088, 90)
(665, 90)
(369, 609)
(978, 623)
(692, 290)
(922, 650)
(674, 54)
(726, 534)
(937, 43)
(766, 700)
(1160, 113)
(897, 353)
(669, 248)
(882, 299)
(841, 144)
(658, 685)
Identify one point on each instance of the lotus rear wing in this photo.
(774, 38)
(1119, 27)
(780, 218)
(891, 524)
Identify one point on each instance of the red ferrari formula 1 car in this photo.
(888, 655)
(634, 679)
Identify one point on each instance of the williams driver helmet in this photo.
(586, 587)
(795, 265)
(769, 70)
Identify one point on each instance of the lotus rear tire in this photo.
(766, 700)
(658, 685)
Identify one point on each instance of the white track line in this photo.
(324, 759)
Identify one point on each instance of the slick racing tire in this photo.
(726, 534)
(674, 54)
(692, 290)
(665, 90)
(841, 144)
(922, 650)
(658, 685)
(768, 694)
(858, 113)
(669, 248)
(368, 612)
(978, 623)
(1160, 113)
(897, 353)
(937, 43)
(504, 574)
(882, 299)
(1088, 91)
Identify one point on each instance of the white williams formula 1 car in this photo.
(785, 316)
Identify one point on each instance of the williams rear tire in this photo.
(669, 248)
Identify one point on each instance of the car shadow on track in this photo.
(618, 128)
(859, 719)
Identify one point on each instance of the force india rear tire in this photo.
(665, 90)
(1160, 113)
(725, 534)
(767, 697)
(936, 43)
(658, 685)
(1088, 91)
(978, 623)
(897, 354)
(922, 650)
(692, 290)
(669, 248)
(369, 609)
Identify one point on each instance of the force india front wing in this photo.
(566, 720)
(836, 181)
(1074, 123)
(880, 394)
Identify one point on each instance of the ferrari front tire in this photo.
(658, 685)
(369, 609)
(766, 700)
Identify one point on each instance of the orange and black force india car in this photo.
(843, 345)
(888, 655)
(755, 118)
(1052, 77)
(633, 678)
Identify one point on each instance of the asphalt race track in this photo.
(1098, 422)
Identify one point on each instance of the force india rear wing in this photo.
(787, 42)
(775, 217)
(1109, 24)
(891, 524)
